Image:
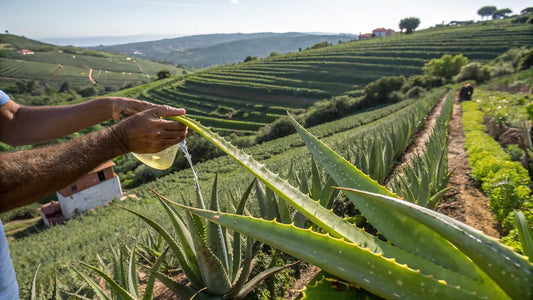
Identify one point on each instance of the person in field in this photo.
(27, 176)
(466, 92)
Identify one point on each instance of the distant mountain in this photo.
(93, 41)
(212, 49)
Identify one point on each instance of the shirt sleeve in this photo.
(3, 98)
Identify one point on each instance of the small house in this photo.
(25, 52)
(96, 188)
(382, 32)
(366, 36)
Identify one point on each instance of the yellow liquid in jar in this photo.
(160, 160)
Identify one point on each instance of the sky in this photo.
(41, 19)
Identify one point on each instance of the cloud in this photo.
(236, 2)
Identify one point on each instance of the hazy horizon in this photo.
(83, 19)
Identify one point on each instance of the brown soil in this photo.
(464, 201)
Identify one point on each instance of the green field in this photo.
(297, 80)
(55, 65)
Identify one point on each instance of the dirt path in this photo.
(464, 201)
(421, 138)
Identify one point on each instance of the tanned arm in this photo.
(25, 125)
(28, 176)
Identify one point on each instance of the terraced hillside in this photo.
(248, 95)
(55, 65)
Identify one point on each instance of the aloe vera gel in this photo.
(161, 160)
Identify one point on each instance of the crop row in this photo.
(110, 220)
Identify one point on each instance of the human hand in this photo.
(122, 107)
(146, 132)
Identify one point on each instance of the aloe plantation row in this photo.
(427, 254)
(217, 262)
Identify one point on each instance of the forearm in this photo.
(28, 176)
(39, 124)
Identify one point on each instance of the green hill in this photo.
(54, 65)
(215, 49)
(257, 92)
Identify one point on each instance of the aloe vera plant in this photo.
(428, 254)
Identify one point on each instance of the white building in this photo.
(96, 188)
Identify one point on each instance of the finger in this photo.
(171, 125)
(167, 111)
(173, 134)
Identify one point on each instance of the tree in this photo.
(486, 11)
(501, 13)
(446, 67)
(526, 10)
(409, 24)
(165, 73)
(250, 58)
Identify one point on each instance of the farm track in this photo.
(420, 139)
(464, 201)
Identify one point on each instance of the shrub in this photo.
(381, 90)
(446, 67)
(473, 71)
(415, 92)
(515, 152)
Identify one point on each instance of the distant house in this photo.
(383, 32)
(25, 52)
(366, 36)
(137, 52)
(96, 188)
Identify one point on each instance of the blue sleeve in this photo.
(3, 98)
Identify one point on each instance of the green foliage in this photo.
(473, 71)
(470, 259)
(515, 152)
(501, 13)
(250, 58)
(486, 11)
(424, 179)
(505, 182)
(409, 24)
(382, 90)
(446, 67)
(165, 73)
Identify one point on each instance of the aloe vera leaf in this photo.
(326, 286)
(150, 283)
(184, 237)
(328, 193)
(189, 272)
(510, 271)
(237, 255)
(181, 290)
(33, 293)
(258, 279)
(244, 272)
(401, 230)
(133, 283)
(326, 218)
(115, 287)
(261, 199)
(525, 234)
(215, 238)
(317, 214)
(316, 181)
(373, 272)
(183, 233)
(214, 275)
(93, 285)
